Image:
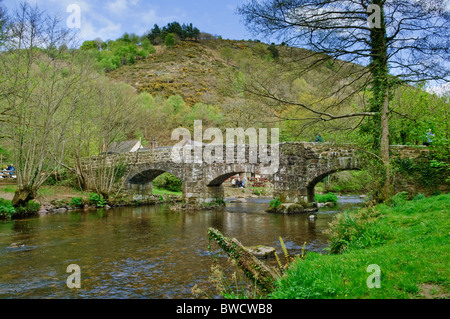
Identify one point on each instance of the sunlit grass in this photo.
(161, 191)
(414, 255)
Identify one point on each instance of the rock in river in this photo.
(261, 251)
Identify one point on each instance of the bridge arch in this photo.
(321, 175)
(140, 179)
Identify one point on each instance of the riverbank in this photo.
(407, 242)
(57, 198)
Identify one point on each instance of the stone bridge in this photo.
(300, 166)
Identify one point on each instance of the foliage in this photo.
(31, 208)
(169, 182)
(325, 198)
(355, 230)
(429, 171)
(347, 182)
(97, 200)
(274, 203)
(184, 32)
(123, 51)
(169, 40)
(6, 209)
(77, 202)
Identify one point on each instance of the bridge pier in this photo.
(141, 189)
(196, 193)
(303, 198)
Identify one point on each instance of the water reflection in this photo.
(142, 252)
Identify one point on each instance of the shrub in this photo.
(6, 209)
(76, 202)
(355, 230)
(325, 198)
(169, 182)
(31, 208)
(274, 203)
(97, 200)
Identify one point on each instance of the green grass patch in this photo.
(8, 189)
(409, 242)
(326, 198)
(162, 191)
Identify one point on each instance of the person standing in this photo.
(319, 138)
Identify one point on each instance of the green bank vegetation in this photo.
(409, 242)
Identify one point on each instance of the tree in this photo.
(39, 85)
(397, 40)
(169, 40)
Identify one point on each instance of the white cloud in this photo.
(118, 6)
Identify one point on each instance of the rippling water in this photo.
(140, 252)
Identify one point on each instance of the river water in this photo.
(141, 252)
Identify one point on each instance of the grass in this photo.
(161, 191)
(8, 189)
(414, 257)
(325, 198)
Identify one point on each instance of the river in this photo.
(141, 252)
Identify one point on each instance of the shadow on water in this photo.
(141, 252)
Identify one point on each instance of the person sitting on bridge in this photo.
(319, 138)
(11, 169)
(429, 138)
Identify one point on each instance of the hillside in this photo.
(201, 71)
(211, 80)
(215, 73)
(190, 69)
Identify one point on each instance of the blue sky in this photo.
(110, 19)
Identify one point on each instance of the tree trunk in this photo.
(380, 100)
(23, 196)
(253, 268)
(384, 146)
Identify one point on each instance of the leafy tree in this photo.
(154, 35)
(169, 40)
(174, 28)
(41, 85)
(408, 39)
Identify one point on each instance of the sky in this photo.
(110, 19)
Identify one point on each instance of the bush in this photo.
(76, 202)
(355, 230)
(169, 182)
(31, 208)
(325, 198)
(274, 203)
(6, 209)
(97, 200)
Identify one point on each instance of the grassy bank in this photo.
(162, 191)
(409, 242)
